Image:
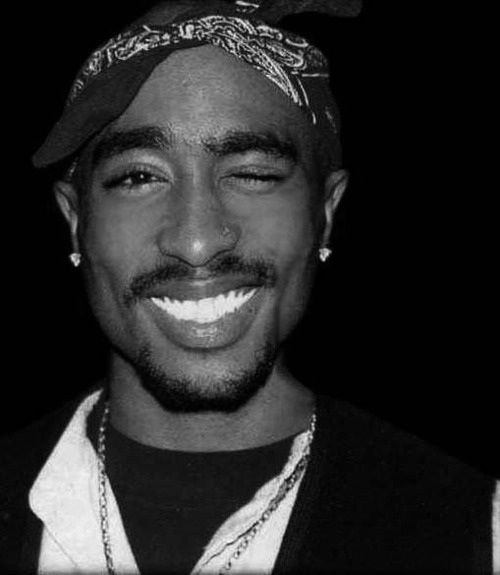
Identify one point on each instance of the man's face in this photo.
(199, 229)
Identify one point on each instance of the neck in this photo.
(282, 407)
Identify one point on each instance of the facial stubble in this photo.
(217, 393)
(222, 392)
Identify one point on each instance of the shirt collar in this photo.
(65, 498)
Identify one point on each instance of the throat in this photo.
(197, 491)
(281, 409)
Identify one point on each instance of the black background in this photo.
(400, 323)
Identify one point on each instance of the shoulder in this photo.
(365, 439)
(376, 457)
(393, 495)
(23, 453)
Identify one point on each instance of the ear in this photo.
(67, 199)
(335, 186)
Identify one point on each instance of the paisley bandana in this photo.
(113, 74)
(282, 58)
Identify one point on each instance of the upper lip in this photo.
(201, 288)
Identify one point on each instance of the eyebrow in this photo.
(231, 143)
(241, 142)
(118, 142)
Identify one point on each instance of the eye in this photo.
(136, 181)
(254, 181)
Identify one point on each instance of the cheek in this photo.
(286, 224)
(112, 245)
(288, 232)
(114, 236)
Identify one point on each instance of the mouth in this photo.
(206, 310)
(207, 314)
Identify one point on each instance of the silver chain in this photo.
(284, 488)
(103, 501)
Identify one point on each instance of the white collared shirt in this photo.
(65, 498)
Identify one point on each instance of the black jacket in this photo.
(374, 500)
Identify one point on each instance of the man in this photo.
(202, 172)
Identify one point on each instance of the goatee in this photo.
(193, 395)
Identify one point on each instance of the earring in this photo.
(75, 258)
(324, 254)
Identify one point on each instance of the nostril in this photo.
(198, 231)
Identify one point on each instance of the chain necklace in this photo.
(284, 488)
(103, 502)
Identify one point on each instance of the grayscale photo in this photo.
(244, 307)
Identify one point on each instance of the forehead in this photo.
(203, 92)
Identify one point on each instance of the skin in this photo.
(194, 207)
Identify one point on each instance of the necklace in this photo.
(285, 487)
(103, 502)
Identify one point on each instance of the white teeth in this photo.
(204, 310)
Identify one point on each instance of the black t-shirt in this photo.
(172, 502)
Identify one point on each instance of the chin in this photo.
(217, 390)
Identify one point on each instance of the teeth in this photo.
(204, 310)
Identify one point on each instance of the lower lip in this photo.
(218, 334)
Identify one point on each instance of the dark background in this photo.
(400, 323)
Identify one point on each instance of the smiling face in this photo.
(199, 227)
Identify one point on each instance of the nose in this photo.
(197, 227)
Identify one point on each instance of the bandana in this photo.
(113, 74)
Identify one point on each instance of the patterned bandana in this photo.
(111, 77)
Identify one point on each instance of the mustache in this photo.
(262, 270)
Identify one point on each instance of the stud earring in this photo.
(75, 258)
(324, 254)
